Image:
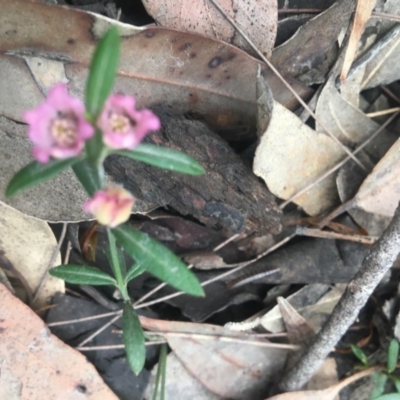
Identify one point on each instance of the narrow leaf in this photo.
(396, 382)
(134, 271)
(82, 275)
(389, 396)
(162, 157)
(161, 373)
(158, 260)
(359, 354)
(102, 72)
(35, 173)
(133, 339)
(393, 355)
(94, 147)
(88, 176)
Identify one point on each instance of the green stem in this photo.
(116, 267)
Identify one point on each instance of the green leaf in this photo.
(162, 157)
(103, 68)
(88, 176)
(133, 338)
(389, 396)
(161, 373)
(396, 382)
(380, 382)
(134, 271)
(392, 355)
(35, 173)
(95, 148)
(158, 260)
(120, 257)
(359, 354)
(82, 275)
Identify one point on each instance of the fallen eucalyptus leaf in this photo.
(258, 19)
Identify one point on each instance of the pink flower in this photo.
(123, 126)
(57, 127)
(111, 206)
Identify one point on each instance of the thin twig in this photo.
(300, 230)
(378, 262)
(161, 285)
(51, 263)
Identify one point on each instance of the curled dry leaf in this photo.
(36, 364)
(314, 48)
(257, 18)
(29, 244)
(380, 192)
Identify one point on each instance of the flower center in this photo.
(64, 131)
(120, 123)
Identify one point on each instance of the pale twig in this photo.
(282, 79)
(302, 231)
(161, 285)
(378, 262)
(51, 262)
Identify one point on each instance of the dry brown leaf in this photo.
(363, 13)
(299, 331)
(329, 393)
(186, 72)
(257, 18)
(36, 365)
(29, 244)
(303, 52)
(291, 155)
(227, 363)
(179, 382)
(380, 191)
(314, 303)
(350, 125)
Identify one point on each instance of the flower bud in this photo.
(111, 206)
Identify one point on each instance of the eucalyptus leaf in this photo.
(35, 173)
(158, 260)
(165, 158)
(103, 68)
(133, 338)
(88, 176)
(82, 275)
(392, 355)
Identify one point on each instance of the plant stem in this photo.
(116, 267)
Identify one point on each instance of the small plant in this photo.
(381, 377)
(66, 133)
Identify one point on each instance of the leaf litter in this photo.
(291, 155)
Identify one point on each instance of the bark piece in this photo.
(228, 196)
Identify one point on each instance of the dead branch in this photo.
(379, 260)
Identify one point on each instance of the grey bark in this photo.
(379, 260)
